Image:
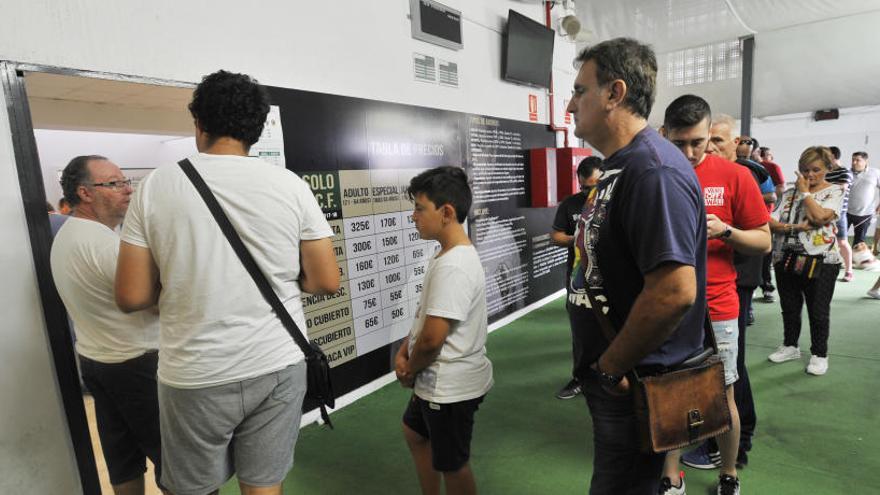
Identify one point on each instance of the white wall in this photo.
(56, 148)
(857, 129)
(35, 451)
(360, 48)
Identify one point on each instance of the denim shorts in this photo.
(727, 335)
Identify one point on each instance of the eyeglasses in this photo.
(747, 142)
(114, 184)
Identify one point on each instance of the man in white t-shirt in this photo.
(117, 351)
(444, 357)
(231, 378)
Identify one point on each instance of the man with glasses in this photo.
(117, 351)
(577, 306)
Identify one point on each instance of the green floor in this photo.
(816, 435)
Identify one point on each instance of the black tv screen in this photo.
(528, 51)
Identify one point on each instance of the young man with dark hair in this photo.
(642, 243)
(117, 351)
(842, 176)
(231, 379)
(577, 305)
(444, 357)
(736, 221)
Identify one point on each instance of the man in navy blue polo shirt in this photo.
(643, 246)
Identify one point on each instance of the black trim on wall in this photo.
(57, 330)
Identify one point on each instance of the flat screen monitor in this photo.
(528, 51)
(436, 23)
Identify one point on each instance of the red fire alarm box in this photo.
(567, 161)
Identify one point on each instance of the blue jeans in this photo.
(619, 468)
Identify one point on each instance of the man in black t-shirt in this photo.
(578, 307)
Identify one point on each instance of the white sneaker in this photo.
(875, 293)
(818, 365)
(785, 353)
(667, 488)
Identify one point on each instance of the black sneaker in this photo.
(769, 297)
(742, 459)
(751, 319)
(728, 485)
(571, 390)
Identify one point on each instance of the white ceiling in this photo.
(809, 54)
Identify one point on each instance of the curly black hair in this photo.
(227, 104)
(76, 174)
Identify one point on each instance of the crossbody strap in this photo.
(245, 256)
(610, 332)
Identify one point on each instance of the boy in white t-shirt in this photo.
(444, 357)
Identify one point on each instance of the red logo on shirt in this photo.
(714, 196)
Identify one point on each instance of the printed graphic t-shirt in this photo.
(654, 215)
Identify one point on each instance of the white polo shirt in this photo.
(83, 264)
(216, 326)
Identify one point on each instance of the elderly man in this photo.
(117, 351)
(645, 258)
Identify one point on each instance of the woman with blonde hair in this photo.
(806, 257)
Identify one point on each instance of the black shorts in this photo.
(448, 427)
(127, 411)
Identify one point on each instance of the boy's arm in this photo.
(429, 344)
(400, 361)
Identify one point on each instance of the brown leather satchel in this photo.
(680, 406)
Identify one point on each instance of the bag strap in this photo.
(245, 256)
(251, 266)
(610, 332)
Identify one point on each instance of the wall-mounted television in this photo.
(435, 23)
(527, 51)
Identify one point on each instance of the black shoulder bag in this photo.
(319, 388)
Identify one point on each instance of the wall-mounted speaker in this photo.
(830, 114)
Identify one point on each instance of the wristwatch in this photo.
(728, 231)
(607, 381)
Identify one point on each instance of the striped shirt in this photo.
(844, 177)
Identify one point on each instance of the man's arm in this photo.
(750, 242)
(668, 293)
(320, 272)
(428, 346)
(137, 278)
(560, 238)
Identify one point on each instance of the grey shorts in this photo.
(247, 428)
(727, 335)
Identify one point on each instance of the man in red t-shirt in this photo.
(736, 219)
(773, 169)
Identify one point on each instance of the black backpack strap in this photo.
(250, 265)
